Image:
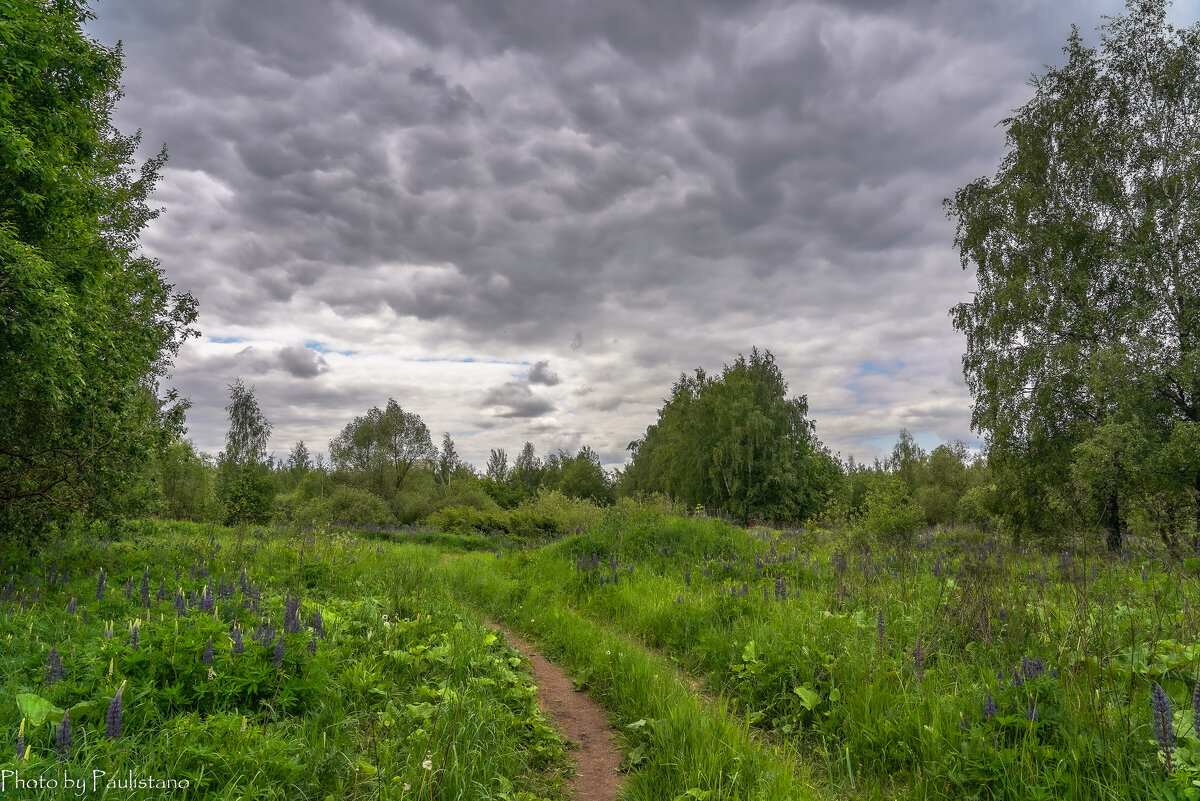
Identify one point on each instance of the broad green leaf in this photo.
(809, 697)
(35, 709)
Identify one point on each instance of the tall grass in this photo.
(270, 665)
(880, 662)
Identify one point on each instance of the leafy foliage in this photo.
(735, 443)
(88, 326)
(1086, 245)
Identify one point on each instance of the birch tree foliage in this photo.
(1086, 246)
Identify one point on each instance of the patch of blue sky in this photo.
(321, 347)
(880, 367)
(472, 360)
(227, 340)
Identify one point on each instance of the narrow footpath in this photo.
(581, 720)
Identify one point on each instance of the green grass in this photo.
(402, 695)
(678, 744)
(735, 664)
(814, 675)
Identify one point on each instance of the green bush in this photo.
(246, 493)
(891, 513)
(977, 507)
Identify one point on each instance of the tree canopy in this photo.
(88, 326)
(386, 443)
(736, 443)
(1082, 337)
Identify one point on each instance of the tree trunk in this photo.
(1111, 518)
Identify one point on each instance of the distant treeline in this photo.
(734, 444)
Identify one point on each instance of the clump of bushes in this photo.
(547, 515)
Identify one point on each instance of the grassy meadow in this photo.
(734, 663)
(261, 665)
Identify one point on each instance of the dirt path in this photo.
(580, 719)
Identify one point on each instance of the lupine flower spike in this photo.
(1196, 711)
(62, 742)
(54, 667)
(112, 721)
(21, 739)
(1164, 730)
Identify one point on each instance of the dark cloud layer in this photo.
(632, 189)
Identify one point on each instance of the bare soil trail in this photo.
(581, 720)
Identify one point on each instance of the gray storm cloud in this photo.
(476, 181)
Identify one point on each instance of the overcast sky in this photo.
(523, 219)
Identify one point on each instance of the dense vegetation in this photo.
(263, 666)
(88, 326)
(956, 666)
(1009, 623)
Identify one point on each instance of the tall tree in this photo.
(527, 471)
(244, 484)
(737, 443)
(387, 443)
(1086, 245)
(447, 462)
(497, 466)
(88, 326)
(249, 429)
(299, 460)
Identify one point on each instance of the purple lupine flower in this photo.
(180, 604)
(1144, 577)
(161, 595)
(146, 587)
(112, 720)
(129, 588)
(318, 624)
(919, 660)
(238, 645)
(279, 652)
(100, 585)
(54, 667)
(1164, 730)
(192, 575)
(880, 630)
(73, 606)
(989, 707)
(1196, 710)
(134, 637)
(1003, 615)
(62, 741)
(207, 603)
(21, 740)
(687, 577)
(312, 642)
(1031, 713)
(207, 657)
(1032, 668)
(291, 614)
